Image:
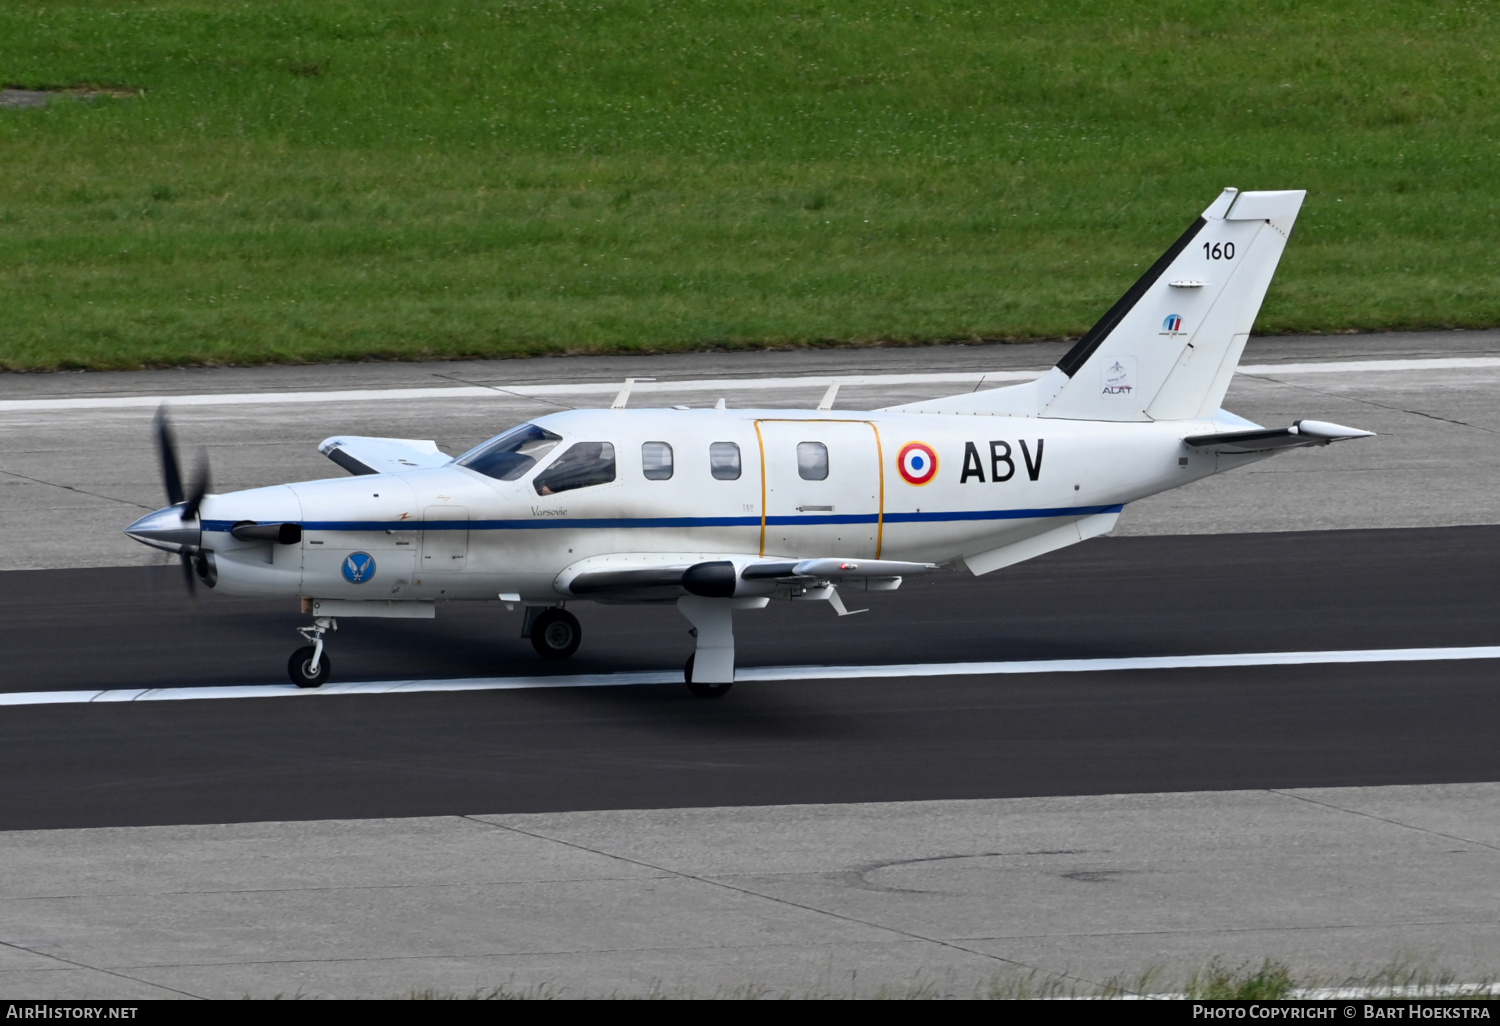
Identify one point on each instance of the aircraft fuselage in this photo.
(737, 481)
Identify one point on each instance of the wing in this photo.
(663, 577)
(1303, 432)
(382, 455)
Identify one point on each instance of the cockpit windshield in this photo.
(508, 456)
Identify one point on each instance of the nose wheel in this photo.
(309, 667)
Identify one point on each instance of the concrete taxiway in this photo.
(941, 897)
(831, 834)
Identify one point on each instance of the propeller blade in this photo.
(189, 577)
(166, 449)
(201, 484)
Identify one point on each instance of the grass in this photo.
(1270, 981)
(325, 180)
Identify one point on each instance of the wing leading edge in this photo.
(650, 577)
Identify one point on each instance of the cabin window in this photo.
(656, 461)
(812, 461)
(724, 461)
(507, 457)
(583, 465)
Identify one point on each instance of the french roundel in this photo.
(917, 462)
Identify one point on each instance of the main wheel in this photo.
(556, 634)
(299, 668)
(704, 690)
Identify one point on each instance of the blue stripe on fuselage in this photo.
(597, 523)
(1000, 514)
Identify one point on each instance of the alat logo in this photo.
(1119, 376)
(1172, 324)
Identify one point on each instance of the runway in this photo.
(1257, 721)
(850, 739)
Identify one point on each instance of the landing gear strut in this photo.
(713, 627)
(309, 667)
(701, 689)
(555, 634)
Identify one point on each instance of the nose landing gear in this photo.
(309, 667)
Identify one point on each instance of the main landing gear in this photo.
(702, 689)
(555, 633)
(309, 667)
(709, 672)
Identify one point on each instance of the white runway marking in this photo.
(761, 673)
(609, 388)
(1366, 366)
(602, 388)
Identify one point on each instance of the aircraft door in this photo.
(445, 538)
(822, 491)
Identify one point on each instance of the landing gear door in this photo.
(445, 539)
(822, 488)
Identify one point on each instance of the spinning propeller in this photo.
(176, 528)
(171, 472)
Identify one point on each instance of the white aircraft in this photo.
(718, 510)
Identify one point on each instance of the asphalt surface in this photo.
(784, 743)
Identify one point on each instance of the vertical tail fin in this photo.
(1167, 349)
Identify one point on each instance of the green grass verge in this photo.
(321, 179)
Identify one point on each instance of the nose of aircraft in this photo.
(166, 529)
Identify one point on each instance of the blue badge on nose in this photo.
(359, 567)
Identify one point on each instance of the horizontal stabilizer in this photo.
(360, 455)
(1304, 432)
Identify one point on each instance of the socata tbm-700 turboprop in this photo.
(720, 510)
